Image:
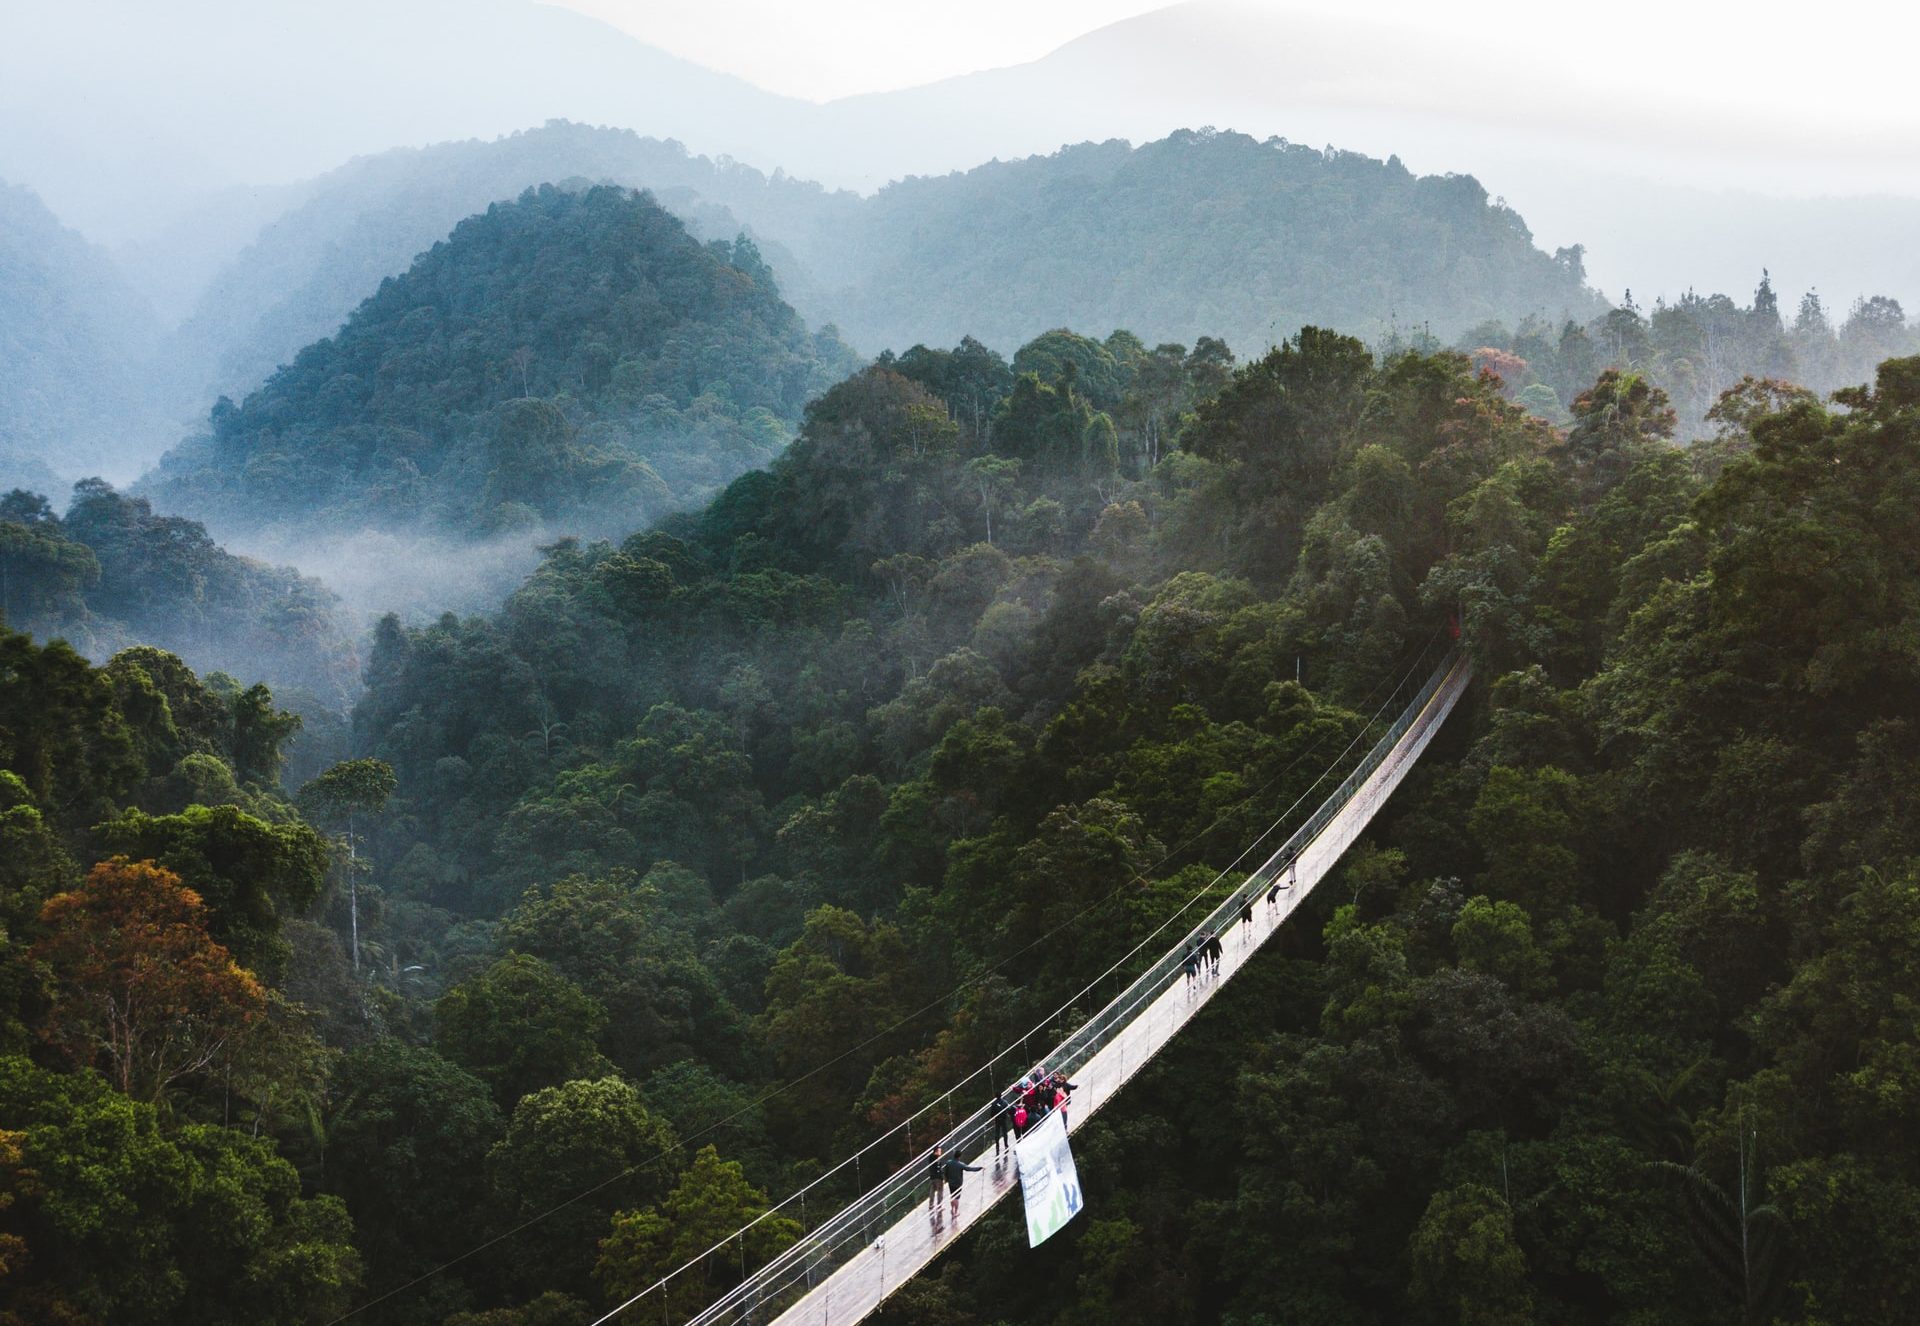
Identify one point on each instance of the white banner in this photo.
(1048, 1182)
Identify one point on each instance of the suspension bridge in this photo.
(841, 1270)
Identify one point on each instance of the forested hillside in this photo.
(109, 574)
(153, 1045)
(1094, 236)
(78, 346)
(722, 847)
(1697, 347)
(1201, 233)
(1198, 234)
(574, 357)
(307, 271)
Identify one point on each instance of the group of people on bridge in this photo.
(1015, 1109)
(1039, 1093)
(1026, 1103)
(1204, 948)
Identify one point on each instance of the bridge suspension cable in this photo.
(832, 1254)
(1419, 654)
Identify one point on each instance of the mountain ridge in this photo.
(570, 356)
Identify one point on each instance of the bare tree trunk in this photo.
(353, 895)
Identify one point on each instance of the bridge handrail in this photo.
(811, 1257)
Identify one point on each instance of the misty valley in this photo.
(568, 707)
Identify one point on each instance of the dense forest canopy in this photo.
(306, 272)
(1697, 347)
(574, 356)
(109, 574)
(1608, 1019)
(1201, 233)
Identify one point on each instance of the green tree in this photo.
(1526, 824)
(349, 789)
(829, 995)
(249, 873)
(616, 939)
(43, 575)
(711, 1201)
(259, 733)
(519, 1026)
(407, 1137)
(1741, 1240)
(549, 1309)
(1467, 1262)
(1497, 938)
(994, 478)
(127, 1222)
(61, 732)
(592, 1145)
(1614, 423)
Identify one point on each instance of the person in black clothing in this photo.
(1246, 920)
(1002, 1122)
(1213, 953)
(1192, 963)
(1273, 894)
(956, 1171)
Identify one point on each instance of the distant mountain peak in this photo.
(571, 359)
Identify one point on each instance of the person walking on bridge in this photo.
(937, 1173)
(1246, 920)
(1214, 948)
(956, 1171)
(1002, 1122)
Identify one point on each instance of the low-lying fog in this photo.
(419, 577)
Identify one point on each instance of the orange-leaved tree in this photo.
(139, 983)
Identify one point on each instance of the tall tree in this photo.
(346, 791)
(139, 982)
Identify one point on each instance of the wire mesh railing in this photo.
(861, 1224)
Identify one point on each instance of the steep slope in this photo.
(76, 343)
(570, 360)
(357, 225)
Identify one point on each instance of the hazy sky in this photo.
(1843, 60)
(132, 119)
(820, 49)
